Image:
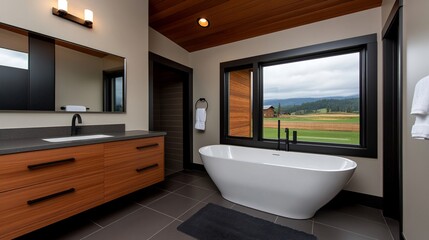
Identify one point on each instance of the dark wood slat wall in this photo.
(168, 115)
(234, 20)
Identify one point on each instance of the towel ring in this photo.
(203, 100)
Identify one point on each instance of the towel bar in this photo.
(203, 100)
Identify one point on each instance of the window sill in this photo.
(320, 148)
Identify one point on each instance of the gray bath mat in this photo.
(216, 222)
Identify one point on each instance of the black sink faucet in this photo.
(74, 129)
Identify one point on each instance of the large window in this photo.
(318, 98)
(327, 93)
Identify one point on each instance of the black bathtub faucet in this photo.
(294, 137)
(278, 135)
(287, 139)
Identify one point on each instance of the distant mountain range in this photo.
(299, 101)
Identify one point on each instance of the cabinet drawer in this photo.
(129, 167)
(25, 169)
(117, 153)
(26, 209)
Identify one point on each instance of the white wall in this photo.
(161, 45)
(415, 152)
(368, 176)
(386, 8)
(120, 28)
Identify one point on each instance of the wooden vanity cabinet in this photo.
(30, 168)
(42, 187)
(25, 209)
(132, 165)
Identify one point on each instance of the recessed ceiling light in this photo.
(203, 22)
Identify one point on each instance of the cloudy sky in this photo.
(322, 77)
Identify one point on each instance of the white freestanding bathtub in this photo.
(289, 184)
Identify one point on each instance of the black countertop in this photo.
(9, 146)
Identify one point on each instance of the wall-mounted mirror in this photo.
(40, 73)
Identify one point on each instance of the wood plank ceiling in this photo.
(234, 20)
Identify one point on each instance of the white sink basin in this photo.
(76, 138)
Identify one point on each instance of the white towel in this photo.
(200, 119)
(420, 129)
(420, 109)
(421, 97)
(75, 108)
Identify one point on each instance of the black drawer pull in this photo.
(50, 164)
(37, 200)
(147, 146)
(147, 168)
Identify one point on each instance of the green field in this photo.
(316, 136)
(325, 136)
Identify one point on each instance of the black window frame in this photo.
(366, 45)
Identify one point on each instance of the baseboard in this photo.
(358, 198)
(199, 167)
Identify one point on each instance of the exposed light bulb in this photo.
(89, 15)
(62, 5)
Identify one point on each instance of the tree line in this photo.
(328, 105)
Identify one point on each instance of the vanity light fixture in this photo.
(62, 13)
(203, 22)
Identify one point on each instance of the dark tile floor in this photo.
(155, 212)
